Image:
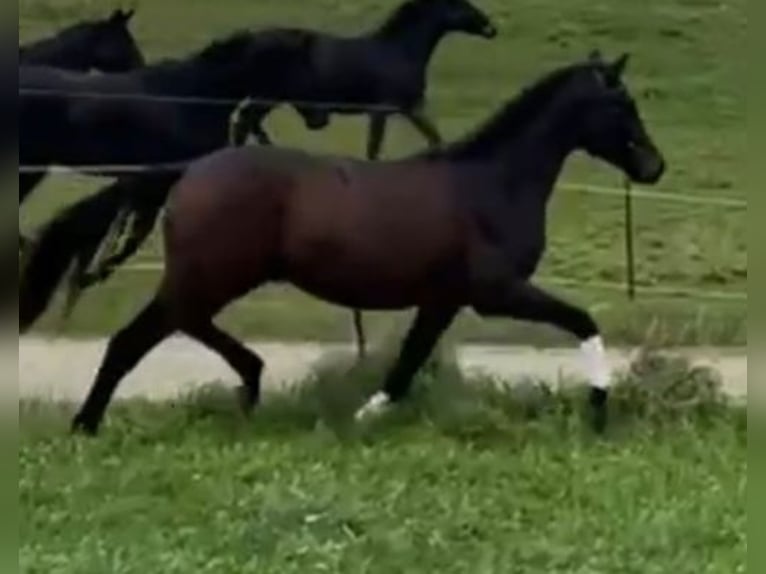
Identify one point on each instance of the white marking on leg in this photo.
(596, 364)
(377, 405)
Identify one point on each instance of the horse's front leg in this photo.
(425, 126)
(248, 120)
(262, 135)
(523, 301)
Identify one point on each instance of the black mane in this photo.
(224, 49)
(244, 40)
(515, 114)
(401, 17)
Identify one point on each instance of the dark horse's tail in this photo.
(72, 241)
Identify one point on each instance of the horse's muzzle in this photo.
(648, 166)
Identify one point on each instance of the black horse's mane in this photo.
(401, 17)
(515, 114)
(244, 40)
(222, 49)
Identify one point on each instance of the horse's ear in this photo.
(617, 69)
(121, 16)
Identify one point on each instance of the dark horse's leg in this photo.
(147, 330)
(250, 121)
(376, 136)
(526, 302)
(247, 364)
(27, 183)
(425, 126)
(123, 353)
(425, 332)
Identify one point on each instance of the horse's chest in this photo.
(510, 243)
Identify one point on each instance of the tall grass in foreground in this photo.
(468, 477)
(657, 391)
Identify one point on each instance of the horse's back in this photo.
(361, 70)
(313, 220)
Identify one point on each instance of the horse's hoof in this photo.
(248, 399)
(379, 404)
(83, 427)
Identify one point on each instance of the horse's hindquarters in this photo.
(355, 235)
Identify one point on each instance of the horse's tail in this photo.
(74, 238)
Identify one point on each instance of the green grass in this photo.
(687, 73)
(468, 477)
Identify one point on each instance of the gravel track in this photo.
(62, 369)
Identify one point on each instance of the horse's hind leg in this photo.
(425, 126)
(247, 364)
(124, 352)
(425, 332)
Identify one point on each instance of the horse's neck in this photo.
(417, 40)
(532, 161)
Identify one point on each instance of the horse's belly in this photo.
(372, 272)
(379, 292)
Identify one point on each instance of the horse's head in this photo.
(460, 16)
(611, 127)
(112, 45)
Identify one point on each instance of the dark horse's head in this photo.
(611, 127)
(110, 46)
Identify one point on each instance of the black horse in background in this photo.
(105, 45)
(158, 114)
(384, 72)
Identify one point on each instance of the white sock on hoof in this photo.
(377, 405)
(596, 364)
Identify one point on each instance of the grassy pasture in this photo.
(686, 72)
(468, 477)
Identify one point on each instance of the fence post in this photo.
(630, 253)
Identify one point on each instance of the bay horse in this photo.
(463, 226)
(384, 71)
(105, 45)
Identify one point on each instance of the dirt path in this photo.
(62, 369)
